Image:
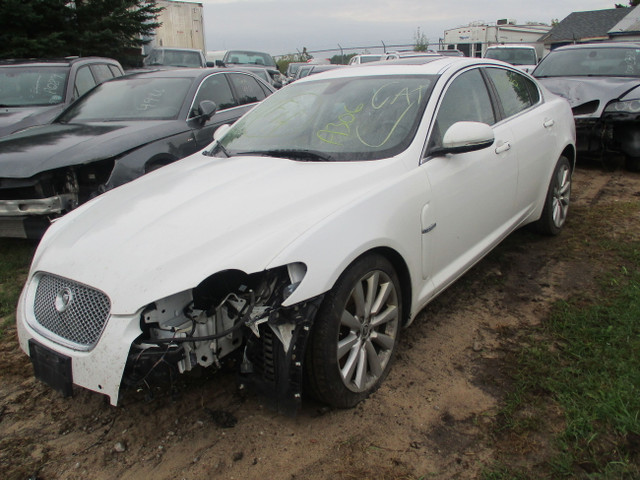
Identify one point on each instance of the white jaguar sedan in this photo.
(302, 241)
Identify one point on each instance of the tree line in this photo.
(60, 28)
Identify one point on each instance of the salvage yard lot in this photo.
(455, 405)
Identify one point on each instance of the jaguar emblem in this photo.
(64, 299)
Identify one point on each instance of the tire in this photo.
(355, 334)
(556, 204)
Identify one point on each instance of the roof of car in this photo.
(511, 45)
(194, 73)
(181, 49)
(55, 61)
(599, 45)
(434, 65)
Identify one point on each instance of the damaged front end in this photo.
(27, 205)
(230, 316)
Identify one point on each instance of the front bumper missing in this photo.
(273, 362)
(609, 134)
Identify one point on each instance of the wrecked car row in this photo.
(305, 237)
(118, 131)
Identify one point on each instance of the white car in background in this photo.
(524, 57)
(365, 58)
(304, 238)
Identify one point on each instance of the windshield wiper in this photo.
(304, 155)
(218, 147)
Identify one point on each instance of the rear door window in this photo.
(247, 88)
(515, 91)
(84, 81)
(101, 72)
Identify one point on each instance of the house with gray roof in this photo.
(615, 24)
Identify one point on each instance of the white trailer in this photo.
(474, 38)
(182, 26)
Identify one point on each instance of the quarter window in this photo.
(516, 92)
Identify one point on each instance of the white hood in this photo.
(169, 230)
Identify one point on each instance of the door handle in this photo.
(503, 148)
(549, 123)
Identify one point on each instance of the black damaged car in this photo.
(601, 82)
(117, 132)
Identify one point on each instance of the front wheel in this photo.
(355, 333)
(556, 205)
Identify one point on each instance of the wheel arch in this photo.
(402, 270)
(570, 152)
(159, 160)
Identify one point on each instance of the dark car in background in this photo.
(248, 58)
(176, 57)
(601, 82)
(119, 131)
(34, 92)
(312, 68)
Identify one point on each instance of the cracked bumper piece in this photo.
(29, 218)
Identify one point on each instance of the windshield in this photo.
(239, 57)
(514, 56)
(174, 58)
(606, 62)
(131, 99)
(342, 119)
(32, 86)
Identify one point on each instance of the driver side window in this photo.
(466, 99)
(215, 88)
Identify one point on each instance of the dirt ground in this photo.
(432, 417)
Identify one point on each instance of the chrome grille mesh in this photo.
(70, 310)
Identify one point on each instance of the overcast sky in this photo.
(285, 26)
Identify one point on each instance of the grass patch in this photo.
(579, 373)
(15, 257)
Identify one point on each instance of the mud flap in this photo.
(273, 362)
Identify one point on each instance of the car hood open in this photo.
(583, 90)
(171, 229)
(48, 147)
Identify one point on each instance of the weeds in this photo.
(15, 256)
(587, 363)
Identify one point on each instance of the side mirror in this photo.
(220, 63)
(462, 137)
(206, 110)
(221, 131)
(210, 64)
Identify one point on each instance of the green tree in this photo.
(632, 3)
(421, 41)
(59, 28)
